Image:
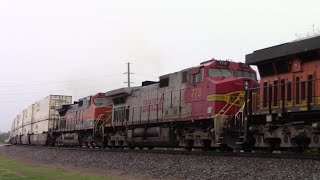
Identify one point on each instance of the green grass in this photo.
(12, 169)
(312, 151)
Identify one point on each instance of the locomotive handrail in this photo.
(96, 122)
(230, 105)
(221, 110)
(242, 124)
(98, 119)
(240, 111)
(105, 121)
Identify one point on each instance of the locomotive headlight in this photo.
(246, 84)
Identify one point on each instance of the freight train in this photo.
(215, 105)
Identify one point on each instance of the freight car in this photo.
(34, 124)
(286, 114)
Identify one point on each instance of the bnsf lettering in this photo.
(153, 104)
(152, 108)
(153, 101)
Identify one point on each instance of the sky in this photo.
(78, 48)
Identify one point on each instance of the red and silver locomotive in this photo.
(192, 108)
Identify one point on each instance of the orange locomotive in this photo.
(286, 115)
(82, 123)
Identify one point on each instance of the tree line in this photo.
(4, 136)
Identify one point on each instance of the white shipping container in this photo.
(38, 117)
(19, 123)
(13, 131)
(27, 118)
(44, 113)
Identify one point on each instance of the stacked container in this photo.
(34, 122)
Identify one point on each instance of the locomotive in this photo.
(286, 113)
(216, 105)
(79, 122)
(192, 108)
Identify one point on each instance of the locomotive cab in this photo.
(102, 105)
(215, 83)
(215, 91)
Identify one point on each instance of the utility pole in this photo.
(313, 30)
(128, 73)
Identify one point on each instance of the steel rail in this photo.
(185, 152)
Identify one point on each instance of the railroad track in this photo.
(196, 152)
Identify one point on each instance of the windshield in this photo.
(101, 101)
(246, 74)
(213, 72)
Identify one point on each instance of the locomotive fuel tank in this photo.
(69, 139)
(150, 137)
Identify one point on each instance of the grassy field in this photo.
(12, 169)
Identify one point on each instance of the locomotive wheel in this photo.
(225, 148)
(248, 150)
(303, 143)
(189, 145)
(206, 145)
(84, 144)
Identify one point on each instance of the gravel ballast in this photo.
(167, 166)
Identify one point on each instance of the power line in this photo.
(57, 82)
(47, 91)
(34, 92)
(16, 101)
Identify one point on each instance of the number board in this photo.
(223, 63)
(243, 65)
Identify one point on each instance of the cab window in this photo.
(89, 100)
(246, 74)
(196, 78)
(215, 72)
(101, 101)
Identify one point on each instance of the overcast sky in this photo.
(78, 48)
